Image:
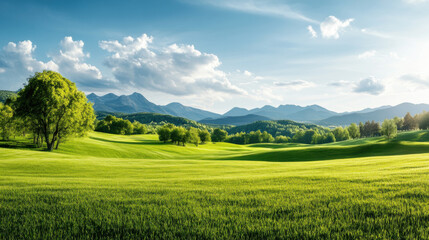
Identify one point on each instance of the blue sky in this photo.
(343, 55)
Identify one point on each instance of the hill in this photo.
(153, 118)
(136, 103)
(275, 128)
(4, 95)
(235, 120)
(378, 115)
(134, 187)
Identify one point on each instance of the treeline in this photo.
(276, 128)
(314, 135)
(180, 135)
(112, 124)
(154, 119)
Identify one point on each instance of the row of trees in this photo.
(112, 124)
(50, 107)
(181, 135)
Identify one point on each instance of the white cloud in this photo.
(369, 85)
(266, 7)
(367, 54)
(296, 84)
(311, 31)
(70, 60)
(340, 83)
(19, 58)
(247, 73)
(17, 63)
(331, 27)
(175, 69)
(375, 33)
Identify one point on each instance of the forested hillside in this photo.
(276, 128)
(4, 95)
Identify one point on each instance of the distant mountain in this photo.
(4, 95)
(136, 103)
(177, 109)
(235, 120)
(376, 115)
(291, 112)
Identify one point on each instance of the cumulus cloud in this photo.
(332, 26)
(367, 54)
(296, 84)
(19, 57)
(175, 69)
(70, 60)
(17, 63)
(369, 85)
(311, 31)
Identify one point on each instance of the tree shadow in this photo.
(143, 142)
(16, 144)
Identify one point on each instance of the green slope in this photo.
(109, 187)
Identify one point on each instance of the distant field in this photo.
(109, 187)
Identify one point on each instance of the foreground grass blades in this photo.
(109, 187)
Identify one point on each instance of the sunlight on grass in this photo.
(109, 186)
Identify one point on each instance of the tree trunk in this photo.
(58, 143)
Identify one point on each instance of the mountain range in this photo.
(136, 102)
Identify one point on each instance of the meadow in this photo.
(134, 187)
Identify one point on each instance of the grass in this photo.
(109, 187)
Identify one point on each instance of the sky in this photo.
(218, 54)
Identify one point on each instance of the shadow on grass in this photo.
(143, 142)
(17, 144)
(334, 152)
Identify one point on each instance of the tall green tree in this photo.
(192, 136)
(6, 123)
(389, 128)
(409, 122)
(56, 106)
(353, 131)
(164, 133)
(219, 135)
(204, 136)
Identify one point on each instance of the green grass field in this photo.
(133, 187)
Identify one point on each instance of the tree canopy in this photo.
(56, 108)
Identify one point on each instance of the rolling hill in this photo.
(152, 118)
(108, 186)
(4, 95)
(235, 120)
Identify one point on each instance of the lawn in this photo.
(133, 187)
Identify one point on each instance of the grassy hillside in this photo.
(109, 186)
(4, 95)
